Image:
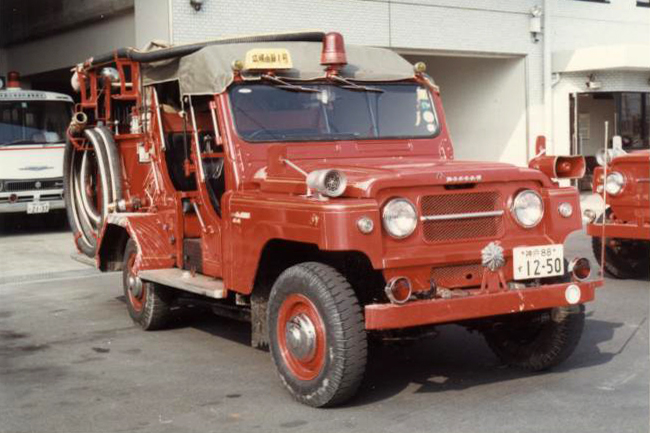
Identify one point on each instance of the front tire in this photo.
(150, 304)
(317, 336)
(536, 340)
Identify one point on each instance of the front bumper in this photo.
(428, 312)
(22, 207)
(17, 202)
(618, 230)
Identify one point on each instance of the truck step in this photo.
(183, 280)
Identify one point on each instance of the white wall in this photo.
(579, 24)
(485, 105)
(72, 47)
(152, 21)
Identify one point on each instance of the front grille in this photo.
(466, 275)
(458, 275)
(50, 197)
(21, 199)
(462, 227)
(29, 185)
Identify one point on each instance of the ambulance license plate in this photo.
(538, 262)
(38, 207)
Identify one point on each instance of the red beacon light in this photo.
(13, 80)
(333, 55)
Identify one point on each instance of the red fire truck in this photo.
(310, 188)
(627, 217)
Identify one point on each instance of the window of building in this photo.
(643, 3)
(634, 119)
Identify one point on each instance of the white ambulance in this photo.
(32, 140)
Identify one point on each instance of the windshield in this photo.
(33, 122)
(266, 112)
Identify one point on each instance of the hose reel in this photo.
(92, 183)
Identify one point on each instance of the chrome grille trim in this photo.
(458, 216)
(449, 217)
(30, 184)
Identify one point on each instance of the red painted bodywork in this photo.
(264, 201)
(383, 316)
(630, 217)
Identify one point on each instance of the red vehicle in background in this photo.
(627, 218)
(310, 188)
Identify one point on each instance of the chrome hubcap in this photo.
(135, 285)
(301, 337)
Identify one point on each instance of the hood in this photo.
(635, 156)
(367, 178)
(31, 162)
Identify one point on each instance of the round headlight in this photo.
(400, 218)
(614, 183)
(528, 208)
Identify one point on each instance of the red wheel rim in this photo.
(301, 337)
(137, 302)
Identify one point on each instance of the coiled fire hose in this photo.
(92, 181)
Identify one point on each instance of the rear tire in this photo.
(149, 307)
(624, 258)
(536, 340)
(317, 336)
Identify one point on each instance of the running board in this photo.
(183, 280)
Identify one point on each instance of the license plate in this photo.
(38, 207)
(538, 262)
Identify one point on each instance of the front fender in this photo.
(330, 226)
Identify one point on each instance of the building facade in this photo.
(509, 70)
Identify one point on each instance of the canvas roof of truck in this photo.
(209, 70)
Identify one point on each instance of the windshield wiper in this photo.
(354, 86)
(288, 86)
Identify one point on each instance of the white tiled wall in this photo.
(578, 24)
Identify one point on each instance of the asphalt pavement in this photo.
(71, 360)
